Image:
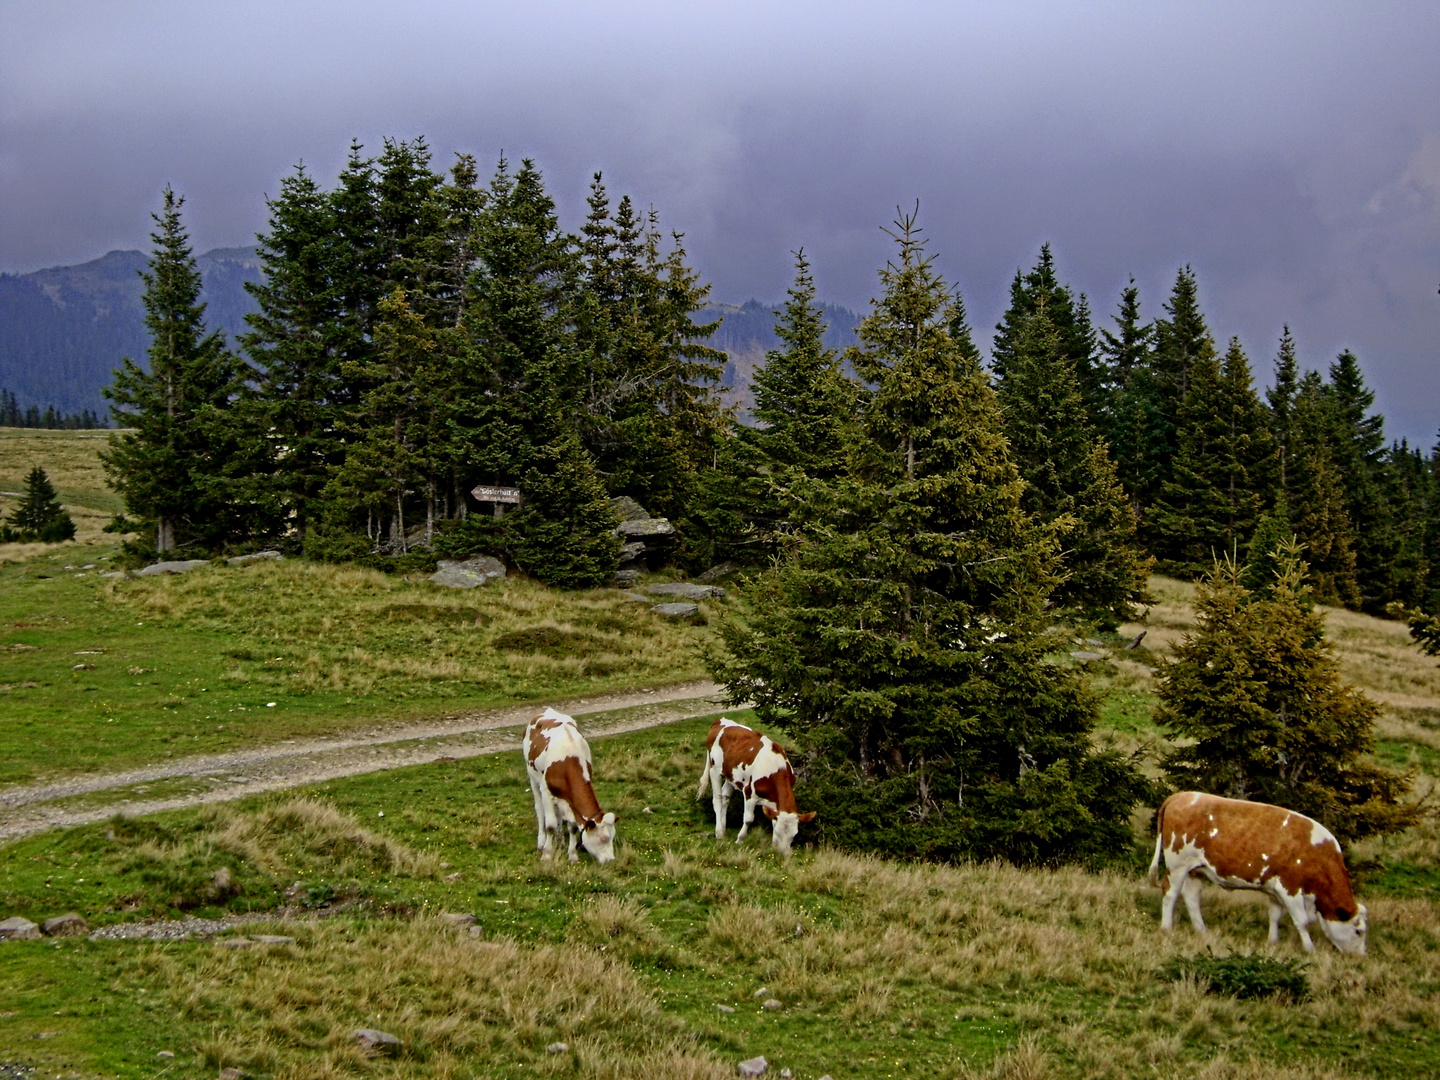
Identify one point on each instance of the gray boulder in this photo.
(625, 579)
(458, 918)
(755, 1066)
(685, 589)
(470, 574)
(678, 610)
(380, 1041)
(631, 551)
(254, 556)
(18, 929)
(715, 573)
(182, 566)
(71, 924)
(627, 509)
(650, 526)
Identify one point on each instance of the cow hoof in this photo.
(574, 858)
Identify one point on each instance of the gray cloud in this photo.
(1290, 152)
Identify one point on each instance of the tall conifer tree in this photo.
(179, 464)
(1318, 511)
(904, 636)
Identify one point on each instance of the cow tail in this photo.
(704, 777)
(1154, 874)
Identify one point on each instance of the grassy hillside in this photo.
(102, 673)
(71, 460)
(879, 969)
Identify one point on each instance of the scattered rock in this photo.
(459, 918)
(235, 942)
(470, 574)
(625, 579)
(165, 1055)
(755, 1066)
(726, 1008)
(82, 667)
(18, 929)
(715, 573)
(638, 597)
(1136, 643)
(452, 877)
(786, 1074)
(676, 610)
(764, 991)
(272, 939)
(256, 556)
(631, 551)
(627, 509)
(182, 566)
(71, 924)
(1095, 641)
(1086, 657)
(379, 1041)
(115, 573)
(685, 589)
(772, 1004)
(231, 1073)
(557, 1048)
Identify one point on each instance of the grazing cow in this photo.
(737, 757)
(557, 758)
(1293, 860)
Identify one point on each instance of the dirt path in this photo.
(221, 777)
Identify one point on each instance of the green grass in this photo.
(902, 971)
(172, 666)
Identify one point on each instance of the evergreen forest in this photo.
(915, 517)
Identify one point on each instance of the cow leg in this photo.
(720, 789)
(574, 830)
(1190, 889)
(749, 815)
(1167, 905)
(1301, 918)
(1277, 912)
(542, 836)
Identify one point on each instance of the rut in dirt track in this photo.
(27, 809)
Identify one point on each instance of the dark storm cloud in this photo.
(1289, 152)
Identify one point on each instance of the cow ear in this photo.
(769, 812)
(810, 816)
(608, 819)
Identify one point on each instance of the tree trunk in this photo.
(165, 535)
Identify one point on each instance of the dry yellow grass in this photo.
(72, 462)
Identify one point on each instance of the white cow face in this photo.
(783, 827)
(599, 838)
(1348, 935)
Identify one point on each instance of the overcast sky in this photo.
(1290, 152)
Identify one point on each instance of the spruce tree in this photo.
(565, 526)
(181, 466)
(1070, 480)
(903, 639)
(1358, 446)
(1256, 693)
(1317, 503)
(1281, 398)
(39, 515)
(1221, 474)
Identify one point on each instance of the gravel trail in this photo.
(29, 809)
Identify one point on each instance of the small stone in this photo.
(231, 1073)
(726, 1008)
(772, 1004)
(677, 610)
(715, 573)
(764, 991)
(1086, 657)
(557, 1048)
(166, 1054)
(242, 560)
(380, 1041)
(182, 566)
(82, 667)
(685, 590)
(452, 877)
(272, 939)
(114, 573)
(459, 918)
(18, 929)
(626, 579)
(755, 1066)
(235, 943)
(71, 924)
(1095, 641)
(786, 1074)
(476, 931)
(470, 574)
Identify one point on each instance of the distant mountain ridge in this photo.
(64, 330)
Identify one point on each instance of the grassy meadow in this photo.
(879, 969)
(71, 461)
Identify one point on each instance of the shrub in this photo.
(1242, 976)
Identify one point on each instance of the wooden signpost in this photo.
(499, 497)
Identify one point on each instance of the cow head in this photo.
(599, 838)
(1348, 933)
(784, 826)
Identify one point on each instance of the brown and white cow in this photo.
(557, 757)
(738, 757)
(1292, 859)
